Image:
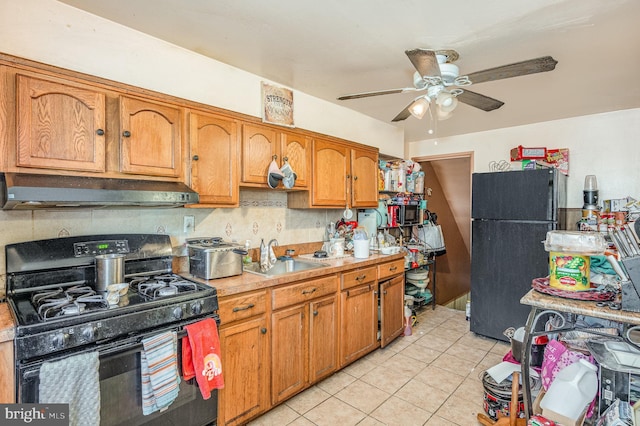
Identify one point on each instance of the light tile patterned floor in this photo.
(430, 378)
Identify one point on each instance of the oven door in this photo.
(120, 389)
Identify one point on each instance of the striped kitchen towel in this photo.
(159, 371)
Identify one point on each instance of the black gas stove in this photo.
(51, 291)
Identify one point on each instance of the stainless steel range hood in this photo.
(31, 191)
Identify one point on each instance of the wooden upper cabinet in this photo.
(213, 143)
(330, 174)
(364, 178)
(259, 145)
(343, 175)
(150, 138)
(59, 126)
(296, 148)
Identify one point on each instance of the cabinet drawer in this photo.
(242, 306)
(296, 293)
(389, 269)
(359, 276)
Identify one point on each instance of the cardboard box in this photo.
(615, 205)
(521, 153)
(564, 421)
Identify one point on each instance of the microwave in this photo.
(404, 215)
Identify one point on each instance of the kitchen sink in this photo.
(283, 267)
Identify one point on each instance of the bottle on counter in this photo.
(246, 259)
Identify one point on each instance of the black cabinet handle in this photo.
(195, 158)
(126, 133)
(243, 308)
(263, 330)
(315, 313)
(309, 291)
(355, 178)
(100, 132)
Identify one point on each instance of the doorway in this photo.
(448, 194)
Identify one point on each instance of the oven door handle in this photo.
(129, 346)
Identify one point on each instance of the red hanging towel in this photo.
(201, 356)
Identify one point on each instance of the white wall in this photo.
(606, 145)
(58, 34)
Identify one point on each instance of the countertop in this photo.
(243, 283)
(588, 308)
(249, 282)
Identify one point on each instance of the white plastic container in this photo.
(585, 243)
(571, 391)
(360, 249)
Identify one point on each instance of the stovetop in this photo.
(51, 292)
(57, 307)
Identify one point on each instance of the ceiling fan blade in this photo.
(477, 100)
(424, 61)
(404, 114)
(377, 93)
(532, 66)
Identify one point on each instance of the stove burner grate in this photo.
(158, 286)
(72, 301)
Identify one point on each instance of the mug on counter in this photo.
(336, 247)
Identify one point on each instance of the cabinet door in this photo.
(297, 149)
(330, 169)
(391, 309)
(289, 352)
(60, 126)
(245, 351)
(151, 142)
(213, 143)
(358, 322)
(323, 338)
(364, 178)
(258, 148)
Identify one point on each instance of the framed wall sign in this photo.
(277, 105)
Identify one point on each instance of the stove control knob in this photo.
(196, 308)
(60, 340)
(89, 333)
(177, 312)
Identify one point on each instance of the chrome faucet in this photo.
(272, 255)
(267, 256)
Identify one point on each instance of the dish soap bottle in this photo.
(246, 259)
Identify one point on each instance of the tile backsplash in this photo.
(262, 214)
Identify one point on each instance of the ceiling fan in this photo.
(439, 76)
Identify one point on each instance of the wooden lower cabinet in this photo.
(289, 357)
(304, 336)
(323, 338)
(245, 348)
(277, 342)
(391, 309)
(358, 321)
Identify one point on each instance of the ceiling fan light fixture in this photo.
(446, 102)
(442, 114)
(419, 107)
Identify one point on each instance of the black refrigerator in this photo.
(511, 214)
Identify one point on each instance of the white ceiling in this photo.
(333, 47)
